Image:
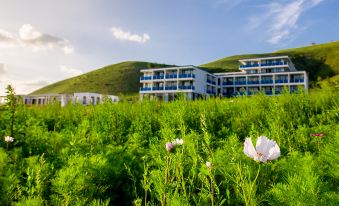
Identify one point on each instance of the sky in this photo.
(45, 41)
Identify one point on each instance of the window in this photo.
(84, 100)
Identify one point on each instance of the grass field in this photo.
(115, 154)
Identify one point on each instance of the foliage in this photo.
(114, 154)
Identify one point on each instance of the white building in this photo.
(81, 98)
(166, 83)
(269, 75)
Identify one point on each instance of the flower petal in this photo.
(274, 152)
(264, 145)
(249, 149)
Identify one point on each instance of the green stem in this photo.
(166, 179)
(212, 187)
(253, 183)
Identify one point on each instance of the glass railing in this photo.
(278, 81)
(240, 82)
(171, 88)
(146, 78)
(171, 76)
(227, 83)
(158, 88)
(209, 91)
(268, 92)
(297, 80)
(263, 65)
(145, 88)
(186, 76)
(159, 77)
(253, 82)
(267, 81)
(187, 87)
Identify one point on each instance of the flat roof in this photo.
(171, 68)
(264, 58)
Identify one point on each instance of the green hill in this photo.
(320, 61)
(121, 78)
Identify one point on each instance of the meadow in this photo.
(115, 154)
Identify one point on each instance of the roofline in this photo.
(170, 68)
(264, 58)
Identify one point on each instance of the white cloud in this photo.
(73, 72)
(282, 18)
(120, 34)
(36, 83)
(30, 37)
(3, 70)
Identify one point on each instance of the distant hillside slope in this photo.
(320, 61)
(113, 79)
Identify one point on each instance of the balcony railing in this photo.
(267, 81)
(278, 81)
(209, 91)
(297, 80)
(268, 92)
(186, 76)
(146, 78)
(240, 83)
(227, 83)
(187, 87)
(253, 82)
(263, 65)
(211, 81)
(171, 88)
(159, 77)
(171, 76)
(145, 88)
(158, 88)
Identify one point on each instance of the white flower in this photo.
(9, 139)
(178, 142)
(265, 149)
(208, 164)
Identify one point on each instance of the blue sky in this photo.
(44, 41)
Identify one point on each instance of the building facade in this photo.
(270, 75)
(166, 83)
(86, 98)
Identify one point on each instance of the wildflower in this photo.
(178, 142)
(208, 164)
(9, 139)
(321, 134)
(169, 146)
(265, 149)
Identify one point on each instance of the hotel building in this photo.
(269, 75)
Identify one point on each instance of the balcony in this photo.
(143, 89)
(211, 81)
(264, 65)
(171, 76)
(171, 88)
(279, 81)
(267, 81)
(186, 76)
(240, 83)
(253, 82)
(297, 81)
(158, 88)
(146, 78)
(190, 87)
(227, 83)
(268, 92)
(159, 77)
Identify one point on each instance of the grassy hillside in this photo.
(320, 61)
(121, 78)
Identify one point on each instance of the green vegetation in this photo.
(122, 78)
(320, 61)
(114, 154)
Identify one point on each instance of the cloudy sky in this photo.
(44, 41)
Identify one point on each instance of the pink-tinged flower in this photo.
(208, 164)
(169, 146)
(9, 139)
(320, 134)
(178, 142)
(265, 149)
